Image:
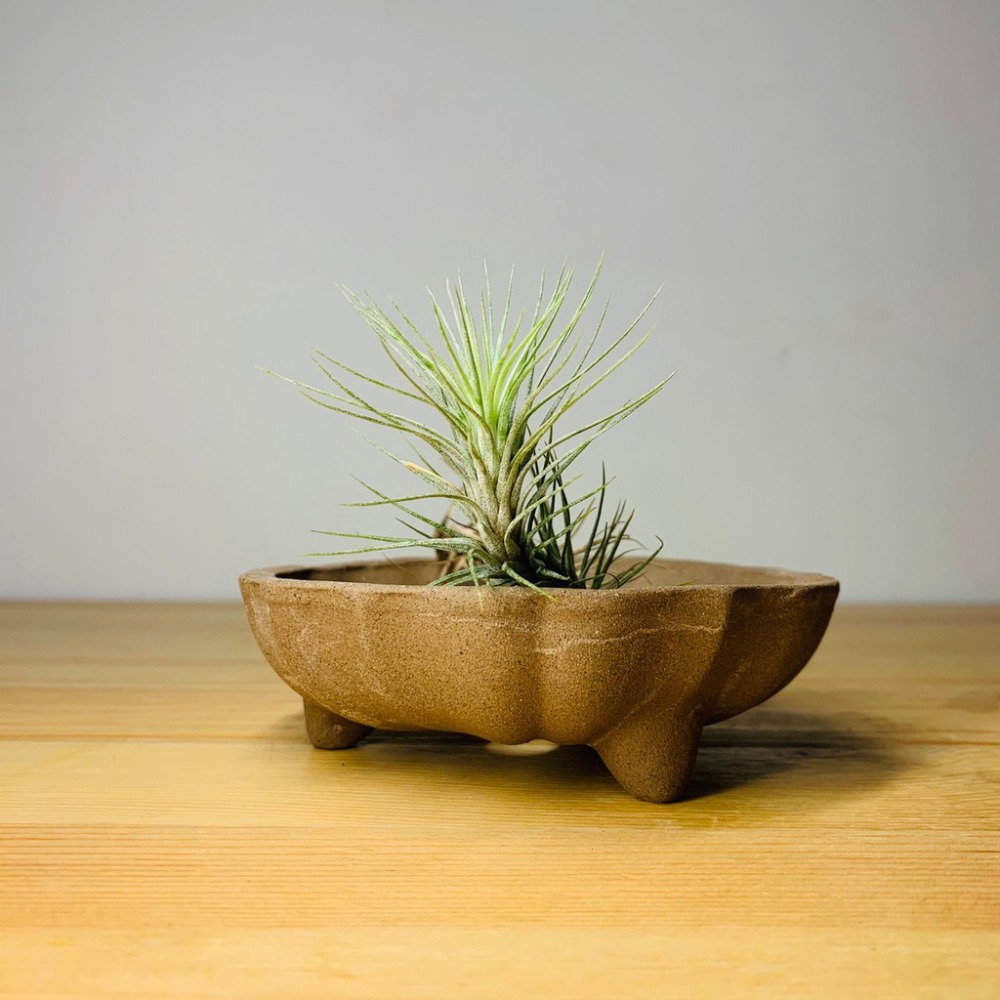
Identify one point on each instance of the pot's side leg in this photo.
(330, 731)
(652, 757)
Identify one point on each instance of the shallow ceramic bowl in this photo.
(635, 673)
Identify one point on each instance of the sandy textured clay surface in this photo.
(635, 673)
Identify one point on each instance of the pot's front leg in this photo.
(652, 757)
(329, 731)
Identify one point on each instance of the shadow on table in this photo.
(836, 754)
(812, 757)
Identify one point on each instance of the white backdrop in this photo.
(182, 184)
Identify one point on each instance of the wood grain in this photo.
(166, 831)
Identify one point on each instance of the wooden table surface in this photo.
(168, 832)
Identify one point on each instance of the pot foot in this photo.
(651, 758)
(329, 731)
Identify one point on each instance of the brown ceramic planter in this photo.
(635, 673)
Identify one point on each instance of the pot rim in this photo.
(279, 576)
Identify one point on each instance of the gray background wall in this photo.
(182, 185)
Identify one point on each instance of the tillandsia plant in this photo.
(500, 458)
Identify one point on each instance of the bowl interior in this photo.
(660, 573)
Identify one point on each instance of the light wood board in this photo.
(166, 831)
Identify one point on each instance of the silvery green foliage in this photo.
(499, 454)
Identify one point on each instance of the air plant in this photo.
(499, 456)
